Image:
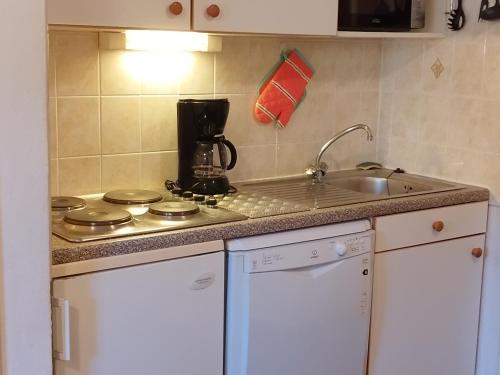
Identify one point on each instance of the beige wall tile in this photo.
(76, 55)
(54, 177)
(264, 54)
(467, 69)
(408, 66)
(492, 71)
(159, 123)
(254, 162)
(385, 115)
(402, 153)
(486, 132)
(434, 119)
(232, 73)
(322, 56)
(242, 129)
(464, 115)
(52, 123)
(200, 78)
(434, 50)
(117, 73)
(349, 65)
(406, 116)
(121, 172)
(157, 167)
(120, 125)
(294, 158)
(78, 126)
(350, 151)
(162, 72)
(79, 176)
(312, 120)
(431, 160)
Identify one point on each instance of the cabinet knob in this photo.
(477, 252)
(438, 226)
(213, 11)
(175, 8)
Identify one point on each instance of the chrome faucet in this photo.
(319, 169)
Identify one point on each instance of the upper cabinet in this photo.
(313, 17)
(285, 17)
(150, 14)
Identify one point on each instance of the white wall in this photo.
(24, 214)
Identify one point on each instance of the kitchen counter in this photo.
(67, 252)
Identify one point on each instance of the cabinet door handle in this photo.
(61, 329)
(477, 252)
(175, 8)
(213, 11)
(438, 226)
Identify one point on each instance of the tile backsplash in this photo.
(446, 127)
(113, 113)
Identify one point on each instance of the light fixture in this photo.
(145, 40)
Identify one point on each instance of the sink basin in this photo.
(384, 183)
(380, 186)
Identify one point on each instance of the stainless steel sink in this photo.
(380, 186)
(385, 183)
(335, 189)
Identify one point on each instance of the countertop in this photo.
(67, 252)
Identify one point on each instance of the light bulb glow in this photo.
(160, 68)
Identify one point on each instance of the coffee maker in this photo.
(203, 160)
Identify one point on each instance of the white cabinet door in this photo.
(149, 14)
(154, 319)
(313, 17)
(426, 309)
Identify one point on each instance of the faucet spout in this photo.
(318, 170)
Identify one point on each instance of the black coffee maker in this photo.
(203, 158)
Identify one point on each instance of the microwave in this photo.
(381, 15)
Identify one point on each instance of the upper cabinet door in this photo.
(313, 17)
(149, 14)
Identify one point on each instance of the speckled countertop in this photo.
(67, 252)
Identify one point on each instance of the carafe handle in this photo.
(232, 151)
(222, 153)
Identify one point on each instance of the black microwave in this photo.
(381, 15)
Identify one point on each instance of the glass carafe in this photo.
(210, 165)
(209, 161)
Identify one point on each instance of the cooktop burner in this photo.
(132, 196)
(97, 217)
(67, 203)
(174, 209)
(130, 212)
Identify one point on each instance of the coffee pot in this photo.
(210, 165)
(203, 156)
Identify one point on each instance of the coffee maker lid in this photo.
(195, 101)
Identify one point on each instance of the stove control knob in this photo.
(211, 202)
(340, 249)
(187, 196)
(200, 199)
(176, 192)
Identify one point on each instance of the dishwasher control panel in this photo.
(310, 253)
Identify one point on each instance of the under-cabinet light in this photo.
(142, 40)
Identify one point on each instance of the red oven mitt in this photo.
(280, 94)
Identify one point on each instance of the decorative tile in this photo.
(437, 68)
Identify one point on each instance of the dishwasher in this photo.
(298, 302)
